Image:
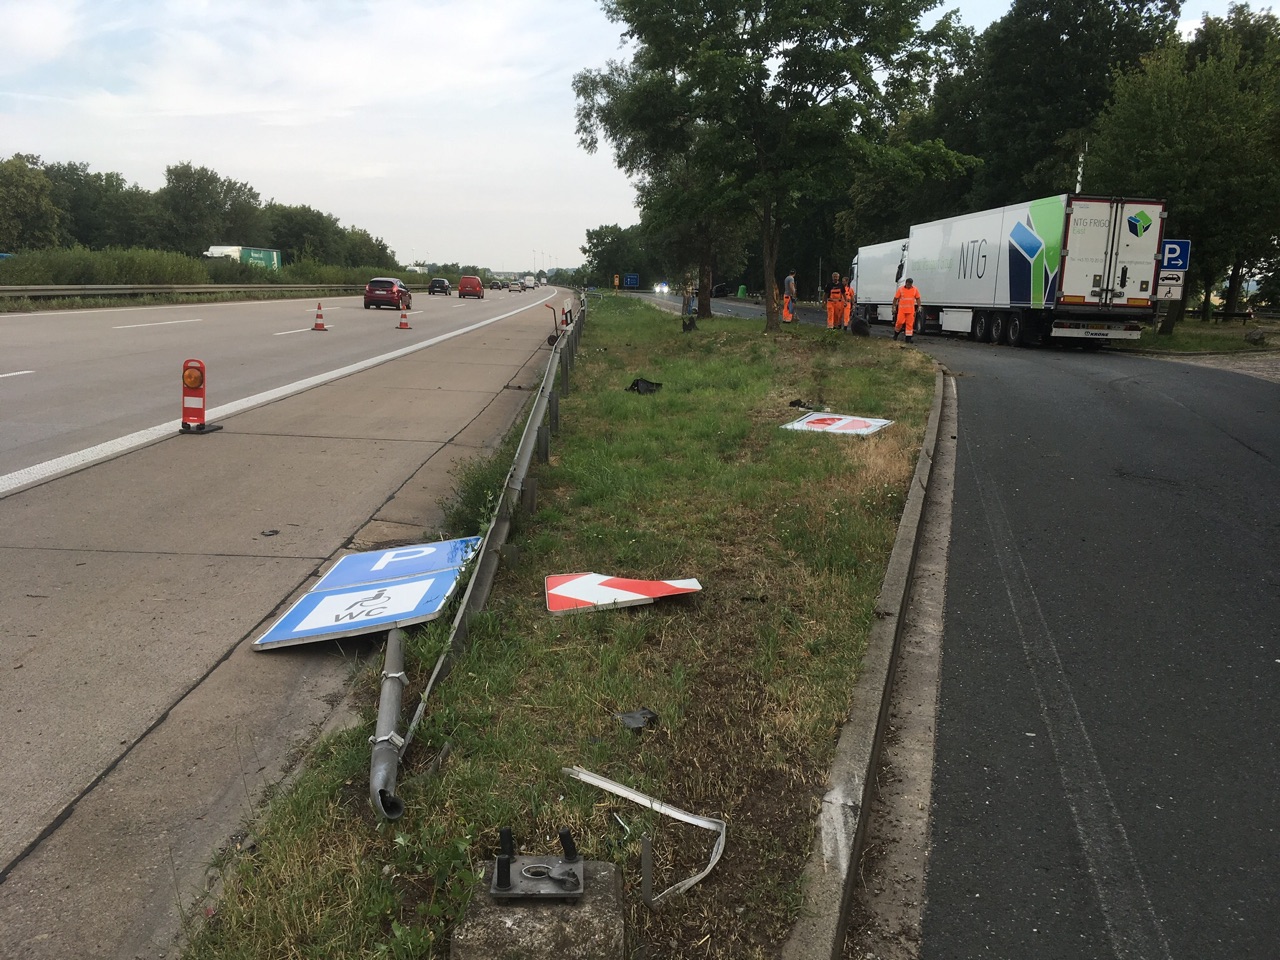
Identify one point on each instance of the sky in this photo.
(445, 127)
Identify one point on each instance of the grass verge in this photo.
(789, 534)
(1197, 336)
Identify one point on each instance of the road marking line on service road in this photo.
(158, 323)
(1132, 926)
(16, 373)
(29, 476)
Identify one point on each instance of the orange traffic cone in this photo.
(404, 321)
(320, 321)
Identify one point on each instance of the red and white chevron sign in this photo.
(583, 591)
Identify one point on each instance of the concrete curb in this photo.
(828, 877)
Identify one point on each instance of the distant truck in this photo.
(260, 256)
(529, 282)
(1061, 269)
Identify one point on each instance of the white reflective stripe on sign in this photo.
(589, 588)
(195, 402)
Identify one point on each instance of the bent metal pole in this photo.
(385, 758)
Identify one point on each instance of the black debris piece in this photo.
(641, 385)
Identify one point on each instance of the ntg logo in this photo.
(1139, 223)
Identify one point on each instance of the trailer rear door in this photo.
(1112, 252)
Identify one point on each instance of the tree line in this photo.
(768, 136)
(46, 206)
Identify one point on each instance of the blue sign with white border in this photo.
(363, 608)
(631, 280)
(375, 590)
(398, 562)
(1175, 254)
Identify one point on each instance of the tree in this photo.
(199, 208)
(1200, 126)
(1039, 77)
(304, 233)
(759, 98)
(99, 210)
(362, 249)
(29, 217)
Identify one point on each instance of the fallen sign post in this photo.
(837, 423)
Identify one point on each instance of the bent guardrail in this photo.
(388, 746)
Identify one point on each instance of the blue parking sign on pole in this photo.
(1175, 255)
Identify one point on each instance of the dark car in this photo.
(495, 284)
(440, 285)
(387, 292)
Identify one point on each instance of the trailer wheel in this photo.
(982, 326)
(999, 328)
(1017, 330)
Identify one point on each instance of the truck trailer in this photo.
(1061, 269)
(260, 256)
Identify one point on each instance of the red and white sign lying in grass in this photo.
(585, 591)
(837, 423)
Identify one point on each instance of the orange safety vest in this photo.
(907, 298)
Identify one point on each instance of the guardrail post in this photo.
(529, 495)
(544, 444)
(564, 372)
(553, 412)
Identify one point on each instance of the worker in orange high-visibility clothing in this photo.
(835, 302)
(905, 301)
(848, 302)
(789, 297)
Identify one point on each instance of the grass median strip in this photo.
(788, 532)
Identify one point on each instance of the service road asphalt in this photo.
(1107, 771)
(140, 729)
(1106, 780)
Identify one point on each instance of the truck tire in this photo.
(982, 326)
(1017, 330)
(999, 327)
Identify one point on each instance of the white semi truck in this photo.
(1061, 269)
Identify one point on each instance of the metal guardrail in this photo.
(133, 289)
(388, 745)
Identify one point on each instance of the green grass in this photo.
(1193, 335)
(789, 534)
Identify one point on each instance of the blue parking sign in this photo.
(376, 590)
(363, 608)
(1175, 255)
(397, 562)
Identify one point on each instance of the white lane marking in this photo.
(28, 476)
(1134, 930)
(16, 373)
(158, 323)
(285, 333)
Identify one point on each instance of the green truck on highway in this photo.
(256, 255)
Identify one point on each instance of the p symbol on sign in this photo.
(1176, 254)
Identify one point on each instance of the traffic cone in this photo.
(404, 321)
(320, 321)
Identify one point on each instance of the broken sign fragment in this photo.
(638, 720)
(586, 591)
(717, 826)
(837, 423)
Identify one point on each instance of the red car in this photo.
(470, 287)
(387, 292)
